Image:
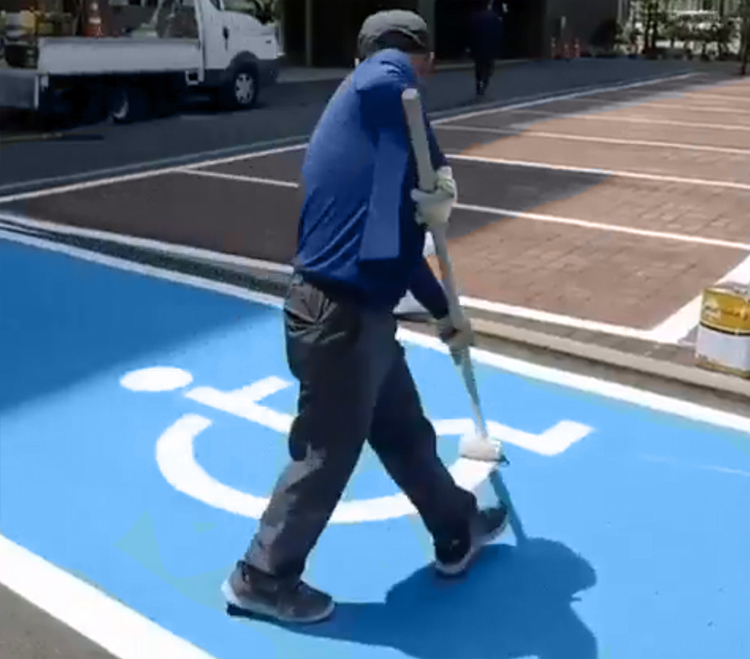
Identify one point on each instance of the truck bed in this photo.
(121, 55)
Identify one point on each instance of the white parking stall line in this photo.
(556, 319)
(118, 629)
(264, 147)
(614, 228)
(601, 172)
(632, 120)
(600, 140)
(14, 221)
(565, 96)
(675, 328)
(647, 105)
(718, 97)
(539, 217)
(152, 173)
(240, 178)
(153, 169)
(467, 301)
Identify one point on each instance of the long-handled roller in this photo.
(477, 445)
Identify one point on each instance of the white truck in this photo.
(145, 63)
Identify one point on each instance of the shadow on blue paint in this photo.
(64, 320)
(517, 602)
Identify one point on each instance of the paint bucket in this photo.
(723, 341)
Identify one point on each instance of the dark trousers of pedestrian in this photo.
(355, 387)
(483, 69)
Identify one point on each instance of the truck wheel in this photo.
(128, 103)
(241, 90)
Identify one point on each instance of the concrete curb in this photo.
(676, 372)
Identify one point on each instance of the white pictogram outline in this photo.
(175, 452)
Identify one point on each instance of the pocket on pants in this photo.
(314, 318)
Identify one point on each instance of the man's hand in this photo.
(457, 336)
(434, 208)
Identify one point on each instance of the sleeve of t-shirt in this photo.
(427, 290)
(382, 110)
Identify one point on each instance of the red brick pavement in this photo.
(635, 281)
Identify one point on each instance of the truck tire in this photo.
(241, 89)
(128, 103)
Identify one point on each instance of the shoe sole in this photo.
(247, 607)
(457, 569)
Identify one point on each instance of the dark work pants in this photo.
(483, 69)
(355, 386)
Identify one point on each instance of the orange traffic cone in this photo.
(93, 27)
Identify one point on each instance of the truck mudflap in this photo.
(19, 89)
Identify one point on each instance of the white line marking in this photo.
(553, 318)
(118, 629)
(641, 104)
(531, 132)
(154, 165)
(713, 242)
(628, 120)
(111, 180)
(240, 177)
(615, 228)
(139, 268)
(85, 185)
(721, 97)
(562, 97)
(566, 379)
(185, 251)
(601, 172)
(271, 266)
(175, 456)
(679, 325)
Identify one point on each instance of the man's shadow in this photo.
(516, 602)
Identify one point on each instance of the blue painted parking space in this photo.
(143, 426)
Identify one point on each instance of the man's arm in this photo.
(382, 108)
(427, 290)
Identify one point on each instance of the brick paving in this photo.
(597, 275)
(628, 280)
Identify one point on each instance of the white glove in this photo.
(434, 208)
(457, 336)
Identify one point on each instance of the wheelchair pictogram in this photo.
(175, 452)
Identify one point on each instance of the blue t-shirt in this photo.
(357, 229)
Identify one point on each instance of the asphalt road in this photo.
(287, 113)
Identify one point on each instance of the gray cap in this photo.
(395, 28)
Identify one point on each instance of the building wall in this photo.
(582, 18)
(335, 26)
(529, 25)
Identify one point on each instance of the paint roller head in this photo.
(483, 449)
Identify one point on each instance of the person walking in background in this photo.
(485, 36)
(361, 238)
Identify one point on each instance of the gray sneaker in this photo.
(453, 559)
(250, 593)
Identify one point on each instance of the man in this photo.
(484, 39)
(361, 238)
